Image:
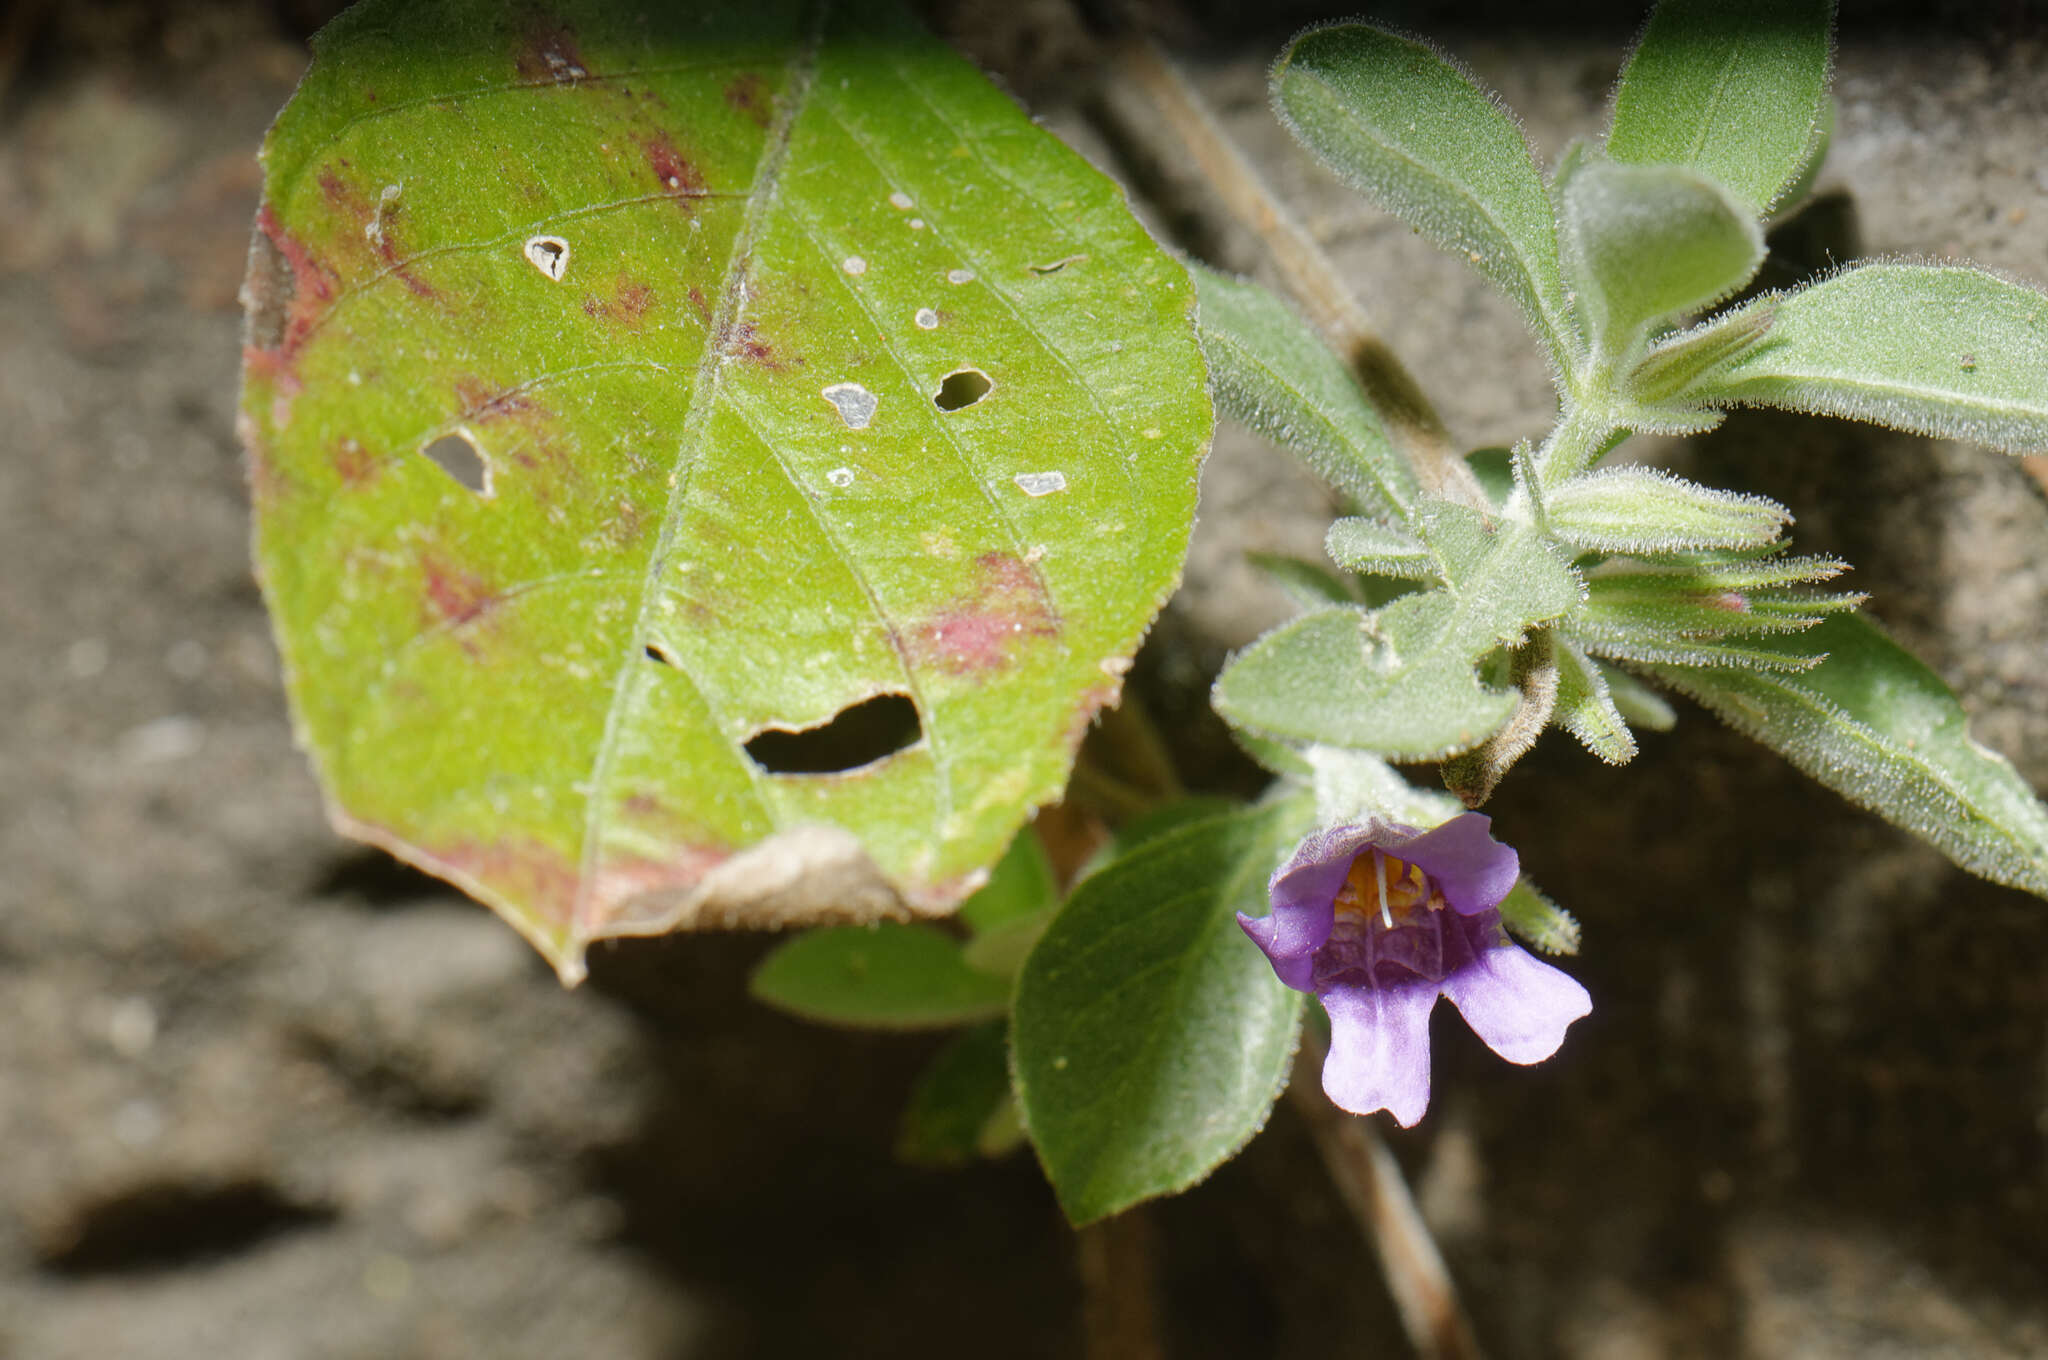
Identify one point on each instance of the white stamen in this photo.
(1379, 873)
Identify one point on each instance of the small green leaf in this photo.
(1673, 604)
(1636, 702)
(1360, 544)
(1735, 89)
(1644, 510)
(1399, 681)
(1306, 584)
(965, 1086)
(887, 976)
(1644, 242)
(1001, 949)
(1407, 127)
(1495, 469)
(1351, 786)
(1021, 885)
(1150, 1035)
(1938, 350)
(1271, 372)
(1537, 921)
(1680, 361)
(1876, 725)
(1586, 709)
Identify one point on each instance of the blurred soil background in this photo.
(266, 1094)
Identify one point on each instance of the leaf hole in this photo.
(859, 734)
(456, 455)
(962, 387)
(656, 654)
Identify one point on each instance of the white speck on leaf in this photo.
(842, 476)
(927, 319)
(1040, 483)
(917, 224)
(548, 254)
(960, 276)
(855, 404)
(854, 264)
(901, 201)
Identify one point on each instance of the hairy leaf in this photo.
(1399, 680)
(886, 976)
(1636, 702)
(1735, 89)
(1360, 544)
(709, 463)
(1649, 241)
(1938, 350)
(1537, 921)
(1585, 706)
(1274, 374)
(1876, 725)
(1306, 584)
(1150, 1035)
(1644, 510)
(1407, 127)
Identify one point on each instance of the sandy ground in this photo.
(263, 1093)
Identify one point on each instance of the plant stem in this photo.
(1119, 1314)
(1584, 432)
(1370, 1183)
(1412, 424)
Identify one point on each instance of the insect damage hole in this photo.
(550, 255)
(962, 387)
(859, 734)
(456, 454)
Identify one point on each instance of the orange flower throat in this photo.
(1393, 890)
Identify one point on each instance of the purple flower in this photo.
(1380, 920)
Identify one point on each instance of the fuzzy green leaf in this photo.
(1399, 680)
(1271, 372)
(686, 301)
(1306, 584)
(1021, 885)
(1735, 89)
(1876, 725)
(1636, 702)
(886, 976)
(1938, 350)
(1677, 605)
(1642, 510)
(1645, 242)
(965, 1087)
(1406, 126)
(1586, 709)
(1150, 1035)
(1537, 921)
(1359, 544)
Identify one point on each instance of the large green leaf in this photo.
(1402, 124)
(1876, 725)
(1150, 1037)
(1400, 681)
(1736, 89)
(1939, 350)
(695, 297)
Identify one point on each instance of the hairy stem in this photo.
(1371, 1186)
(1412, 424)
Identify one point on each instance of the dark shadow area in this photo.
(378, 880)
(858, 735)
(167, 1226)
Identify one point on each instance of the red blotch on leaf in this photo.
(353, 463)
(750, 95)
(455, 595)
(673, 171)
(548, 51)
(983, 631)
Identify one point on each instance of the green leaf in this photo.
(1021, 885)
(1586, 709)
(1351, 786)
(1001, 950)
(694, 299)
(1874, 724)
(1644, 510)
(965, 1087)
(1944, 351)
(1680, 361)
(1537, 921)
(1360, 544)
(1407, 127)
(1735, 89)
(1271, 372)
(1653, 604)
(886, 976)
(1150, 1035)
(1636, 702)
(1645, 242)
(1399, 681)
